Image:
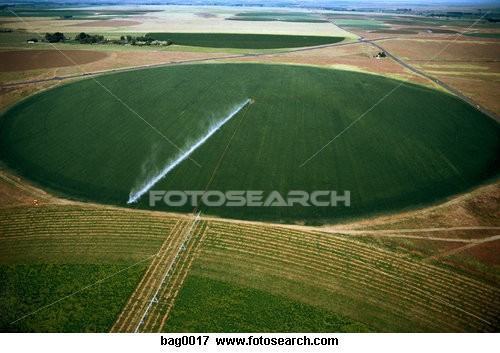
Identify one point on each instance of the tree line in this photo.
(85, 38)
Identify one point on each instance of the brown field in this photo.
(122, 59)
(478, 208)
(19, 60)
(10, 95)
(470, 66)
(109, 60)
(14, 192)
(358, 57)
(482, 89)
(403, 33)
(463, 50)
(113, 60)
(486, 253)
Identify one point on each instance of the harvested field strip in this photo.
(39, 231)
(434, 271)
(131, 314)
(318, 266)
(384, 279)
(410, 284)
(361, 293)
(36, 222)
(244, 271)
(438, 275)
(11, 229)
(75, 234)
(109, 234)
(377, 262)
(48, 214)
(352, 246)
(14, 213)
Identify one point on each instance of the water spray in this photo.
(136, 195)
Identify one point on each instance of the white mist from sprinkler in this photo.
(136, 195)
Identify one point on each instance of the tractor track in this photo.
(150, 304)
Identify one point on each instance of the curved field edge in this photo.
(244, 41)
(441, 190)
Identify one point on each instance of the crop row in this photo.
(289, 280)
(356, 248)
(365, 279)
(365, 267)
(394, 264)
(390, 260)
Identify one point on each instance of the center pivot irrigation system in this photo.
(136, 195)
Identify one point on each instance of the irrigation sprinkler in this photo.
(136, 195)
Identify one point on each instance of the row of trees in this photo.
(85, 38)
(55, 37)
(143, 40)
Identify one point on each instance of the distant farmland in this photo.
(245, 41)
(417, 146)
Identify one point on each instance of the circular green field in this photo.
(415, 147)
